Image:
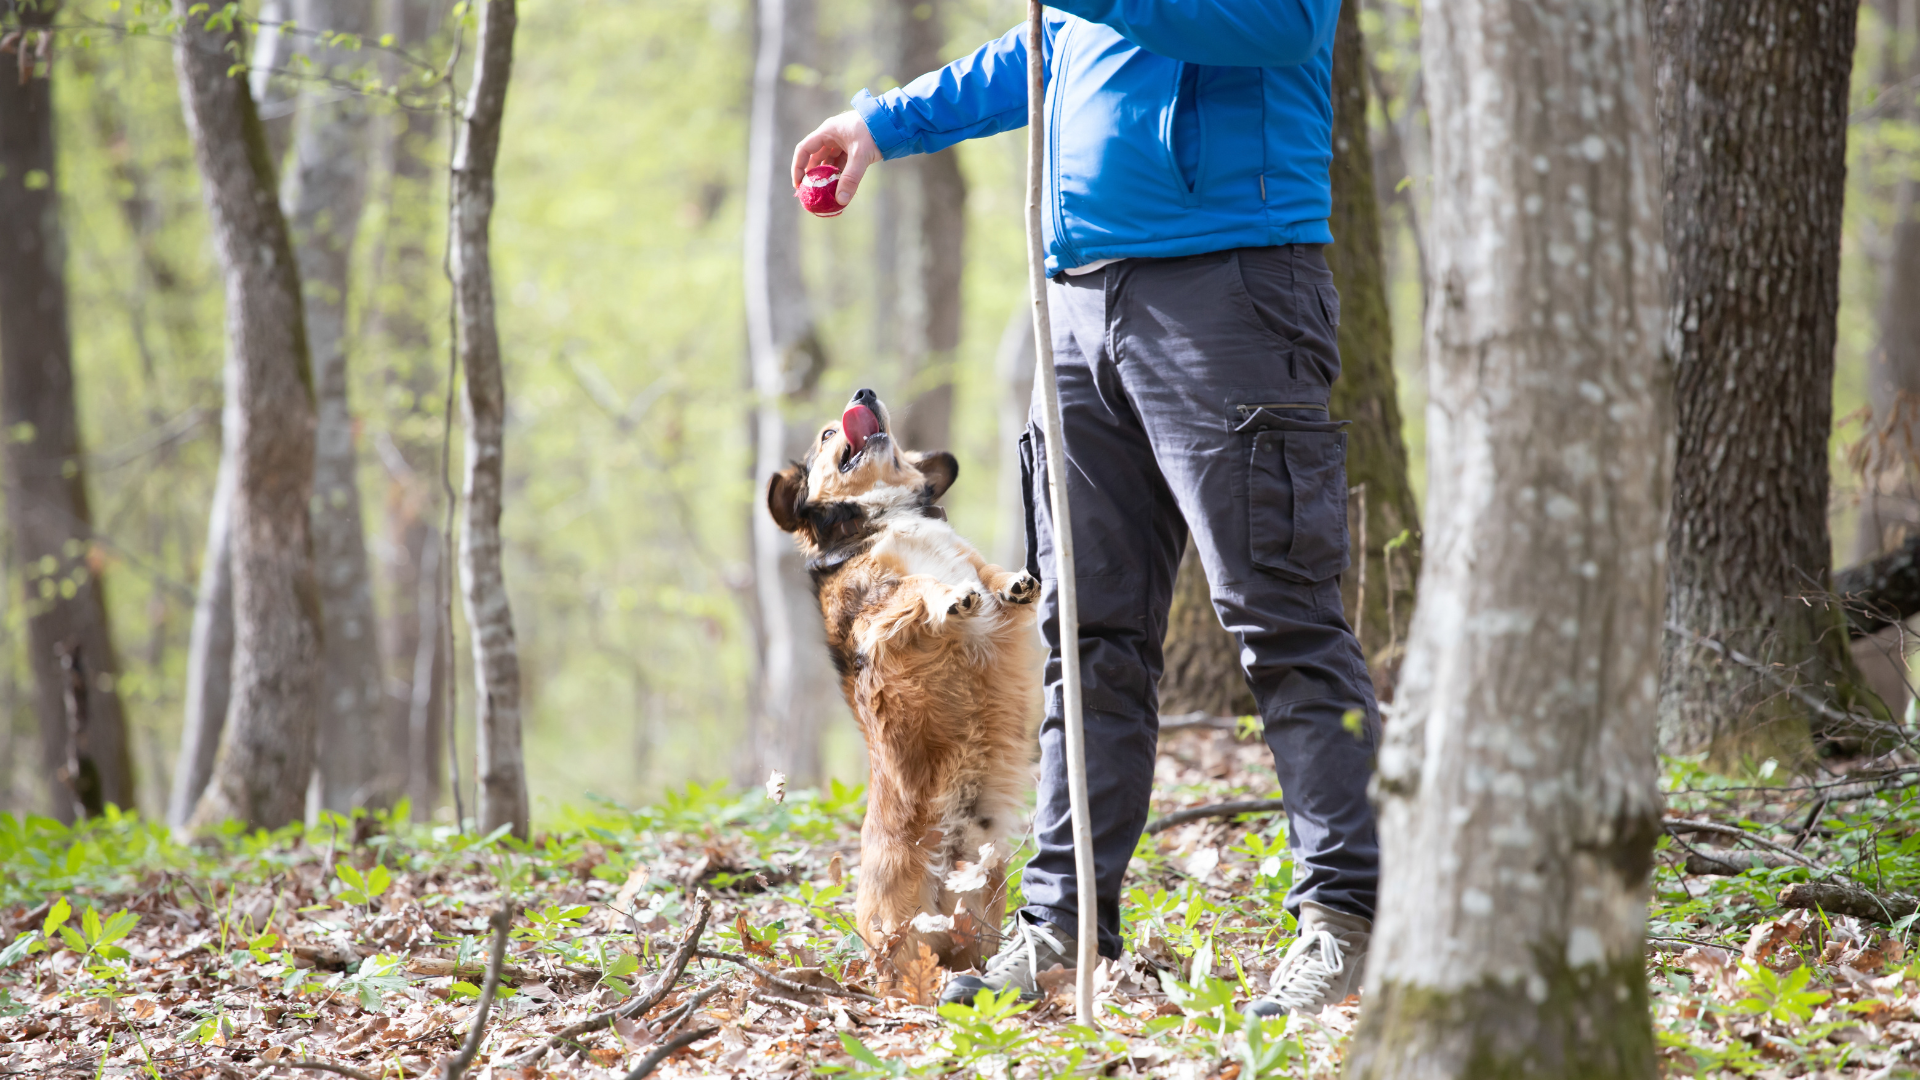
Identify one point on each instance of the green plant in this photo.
(1784, 998)
(979, 1030)
(362, 888)
(376, 977)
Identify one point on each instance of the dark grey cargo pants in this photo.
(1194, 393)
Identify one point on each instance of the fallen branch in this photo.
(1835, 898)
(502, 922)
(639, 1006)
(680, 1015)
(1680, 825)
(328, 1066)
(1198, 721)
(785, 984)
(668, 1049)
(1225, 809)
(1723, 862)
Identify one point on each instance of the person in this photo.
(1194, 316)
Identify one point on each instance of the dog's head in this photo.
(854, 477)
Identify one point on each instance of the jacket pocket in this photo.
(1297, 495)
(1185, 139)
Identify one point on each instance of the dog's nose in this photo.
(865, 397)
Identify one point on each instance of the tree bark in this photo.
(266, 752)
(795, 686)
(1367, 392)
(209, 649)
(1202, 659)
(1518, 779)
(940, 201)
(1753, 109)
(414, 596)
(500, 768)
(87, 758)
(1890, 510)
(360, 761)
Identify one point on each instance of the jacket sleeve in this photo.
(977, 95)
(1226, 33)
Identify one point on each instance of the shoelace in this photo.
(1304, 979)
(1028, 933)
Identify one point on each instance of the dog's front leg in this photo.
(1010, 586)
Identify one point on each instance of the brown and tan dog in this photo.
(935, 649)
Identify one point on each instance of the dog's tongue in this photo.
(859, 424)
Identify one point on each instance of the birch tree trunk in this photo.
(1890, 510)
(415, 598)
(86, 757)
(266, 751)
(1753, 109)
(209, 646)
(796, 686)
(1518, 775)
(360, 760)
(939, 202)
(500, 768)
(1202, 660)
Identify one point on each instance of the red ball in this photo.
(817, 191)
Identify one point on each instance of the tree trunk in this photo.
(266, 752)
(360, 761)
(209, 649)
(796, 686)
(1753, 109)
(940, 200)
(1202, 659)
(1518, 776)
(1013, 366)
(1367, 393)
(500, 768)
(86, 757)
(413, 633)
(1890, 511)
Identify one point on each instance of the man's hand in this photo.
(843, 142)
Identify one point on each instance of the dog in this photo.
(935, 649)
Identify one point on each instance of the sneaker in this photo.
(1031, 948)
(1322, 966)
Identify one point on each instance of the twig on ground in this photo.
(1707, 861)
(668, 1049)
(1225, 809)
(328, 1066)
(502, 922)
(1838, 899)
(1201, 721)
(680, 1015)
(1675, 825)
(676, 966)
(785, 984)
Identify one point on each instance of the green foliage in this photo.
(979, 1031)
(376, 977)
(362, 889)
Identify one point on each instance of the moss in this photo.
(1586, 1023)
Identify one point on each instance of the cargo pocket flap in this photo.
(1297, 492)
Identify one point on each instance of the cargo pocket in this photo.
(1027, 479)
(1297, 495)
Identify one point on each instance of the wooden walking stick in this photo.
(1069, 613)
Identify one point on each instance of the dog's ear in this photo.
(786, 495)
(941, 470)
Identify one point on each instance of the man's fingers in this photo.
(804, 153)
(858, 158)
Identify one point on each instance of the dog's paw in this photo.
(965, 602)
(1023, 589)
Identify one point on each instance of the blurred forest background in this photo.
(619, 233)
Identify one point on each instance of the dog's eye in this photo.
(827, 434)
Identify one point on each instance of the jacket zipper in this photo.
(1068, 256)
(1249, 410)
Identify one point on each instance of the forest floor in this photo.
(360, 944)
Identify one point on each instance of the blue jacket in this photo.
(1175, 127)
